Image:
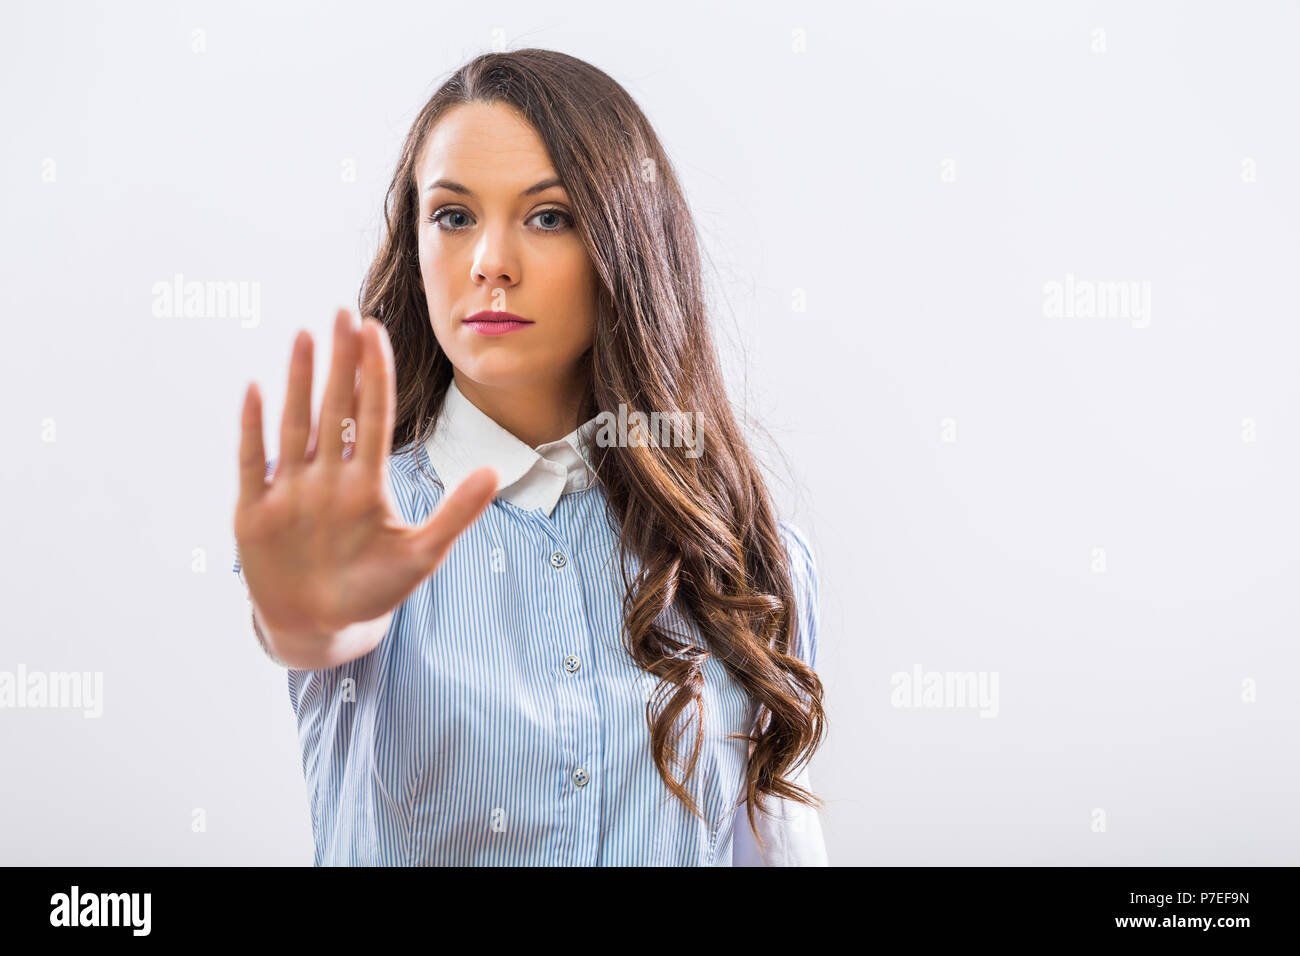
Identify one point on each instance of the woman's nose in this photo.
(494, 262)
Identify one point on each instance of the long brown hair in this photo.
(704, 527)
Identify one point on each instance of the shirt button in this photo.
(580, 777)
(571, 663)
(558, 559)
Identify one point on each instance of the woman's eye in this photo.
(438, 215)
(562, 216)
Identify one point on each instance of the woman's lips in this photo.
(496, 323)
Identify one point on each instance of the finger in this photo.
(378, 397)
(252, 453)
(295, 425)
(457, 512)
(350, 450)
(336, 407)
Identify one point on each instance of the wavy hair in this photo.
(703, 527)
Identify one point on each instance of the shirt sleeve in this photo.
(791, 830)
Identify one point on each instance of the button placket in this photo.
(579, 776)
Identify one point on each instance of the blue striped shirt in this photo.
(501, 721)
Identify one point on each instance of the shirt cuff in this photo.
(792, 832)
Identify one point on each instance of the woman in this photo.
(618, 652)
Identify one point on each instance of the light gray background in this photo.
(820, 171)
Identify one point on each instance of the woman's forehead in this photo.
(489, 143)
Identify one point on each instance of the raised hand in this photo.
(321, 544)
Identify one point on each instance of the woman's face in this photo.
(501, 243)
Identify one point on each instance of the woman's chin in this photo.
(500, 370)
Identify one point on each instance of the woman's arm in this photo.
(792, 832)
(314, 652)
(317, 652)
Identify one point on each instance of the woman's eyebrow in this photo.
(466, 191)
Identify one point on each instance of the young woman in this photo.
(560, 623)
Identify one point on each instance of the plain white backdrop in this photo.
(1099, 510)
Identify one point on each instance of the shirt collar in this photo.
(466, 438)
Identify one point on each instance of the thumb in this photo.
(454, 514)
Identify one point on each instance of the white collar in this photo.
(466, 438)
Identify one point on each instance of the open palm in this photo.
(321, 544)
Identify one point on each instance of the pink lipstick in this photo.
(496, 323)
